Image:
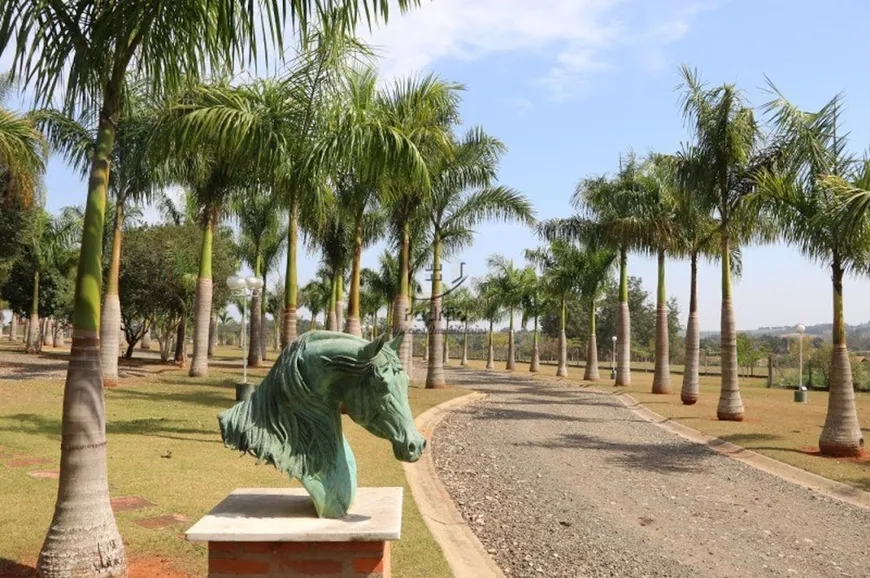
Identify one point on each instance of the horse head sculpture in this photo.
(293, 420)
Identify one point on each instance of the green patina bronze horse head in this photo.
(293, 420)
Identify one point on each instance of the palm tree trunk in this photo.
(146, 340)
(401, 313)
(331, 317)
(46, 332)
(691, 383)
(435, 334)
(446, 341)
(288, 334)
(212, 335)
(562, 370)
(353, 311)
(339, 302)
(623, 325)
(591, 373)
(490, 356)
(110, 319)
(33, 343)
(730, 403)
(464, 360)
(534, 366)
(180, 342)
(263, 336)
(83, 538)
(841, 436)
(13, 327)
(254, 354)
(662, 374)
(426, 345)
(202, 308)
(511, 354)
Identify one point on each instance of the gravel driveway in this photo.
(565, 482)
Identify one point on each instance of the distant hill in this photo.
(820, 330)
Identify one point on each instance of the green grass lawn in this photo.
(164, 445)
(774, 424)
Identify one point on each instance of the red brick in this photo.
(349, 546)
(296, 547)
(313, 567)
(237, 566)
(222, 546)
(368, 565)
(256, 547)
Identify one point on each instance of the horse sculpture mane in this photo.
(293, 420)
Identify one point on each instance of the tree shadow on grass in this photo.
(151, 427)
(214, 399)
(13, 569)
(662, 458)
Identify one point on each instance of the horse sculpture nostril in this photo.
(424, 444)
(411, 447)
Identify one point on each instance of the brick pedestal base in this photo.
(298, 559)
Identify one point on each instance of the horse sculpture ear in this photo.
(374, 347)
(396, 342)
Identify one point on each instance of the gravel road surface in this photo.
(566, 482)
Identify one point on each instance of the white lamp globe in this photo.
(235, 283)
(801, 328)
(254, 283)
(613, 338)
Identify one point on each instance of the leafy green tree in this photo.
(83, 50)
(810, 216)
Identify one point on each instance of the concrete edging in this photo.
(795, 475)
(464, 552)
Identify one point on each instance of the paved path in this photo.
(566, 482)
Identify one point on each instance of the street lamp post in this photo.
(800, 329)
(613, 359)
(244, 289)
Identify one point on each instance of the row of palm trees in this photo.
(731, 186)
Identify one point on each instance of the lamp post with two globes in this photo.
(244, 289)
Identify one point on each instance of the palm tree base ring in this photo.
(841, 451)
(688, 398)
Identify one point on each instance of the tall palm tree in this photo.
(563, 267)
(463, 195)
(23, 152)
(533, 306)
(315, 295)
(810, 216)
(84, 50)
(467, 309)
(133, 179)
(509, 282)
(697, 234)
(610, 212)
(597, 267)
(271, 250)
(491, 310)
(661, 181)
(726, 140)
(424, 107)
(259, 225)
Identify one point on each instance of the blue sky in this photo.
(569, 84)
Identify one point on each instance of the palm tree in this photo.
(509, 282)
(491, 310)
(533, 306)
(462, 196)
(810, 216)
(610, 213)
(726, 137)
(85, 49)
(259, 226)
(316, 294)
(563, 270)
(467, 310)
(425, 108)
(697, 233)
(134, 177)
(597, 266)
(271, 250)
(661, 182)
(23, 152)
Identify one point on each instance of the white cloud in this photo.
(576, 38)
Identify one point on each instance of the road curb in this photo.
(795, 475)
(464, 552)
